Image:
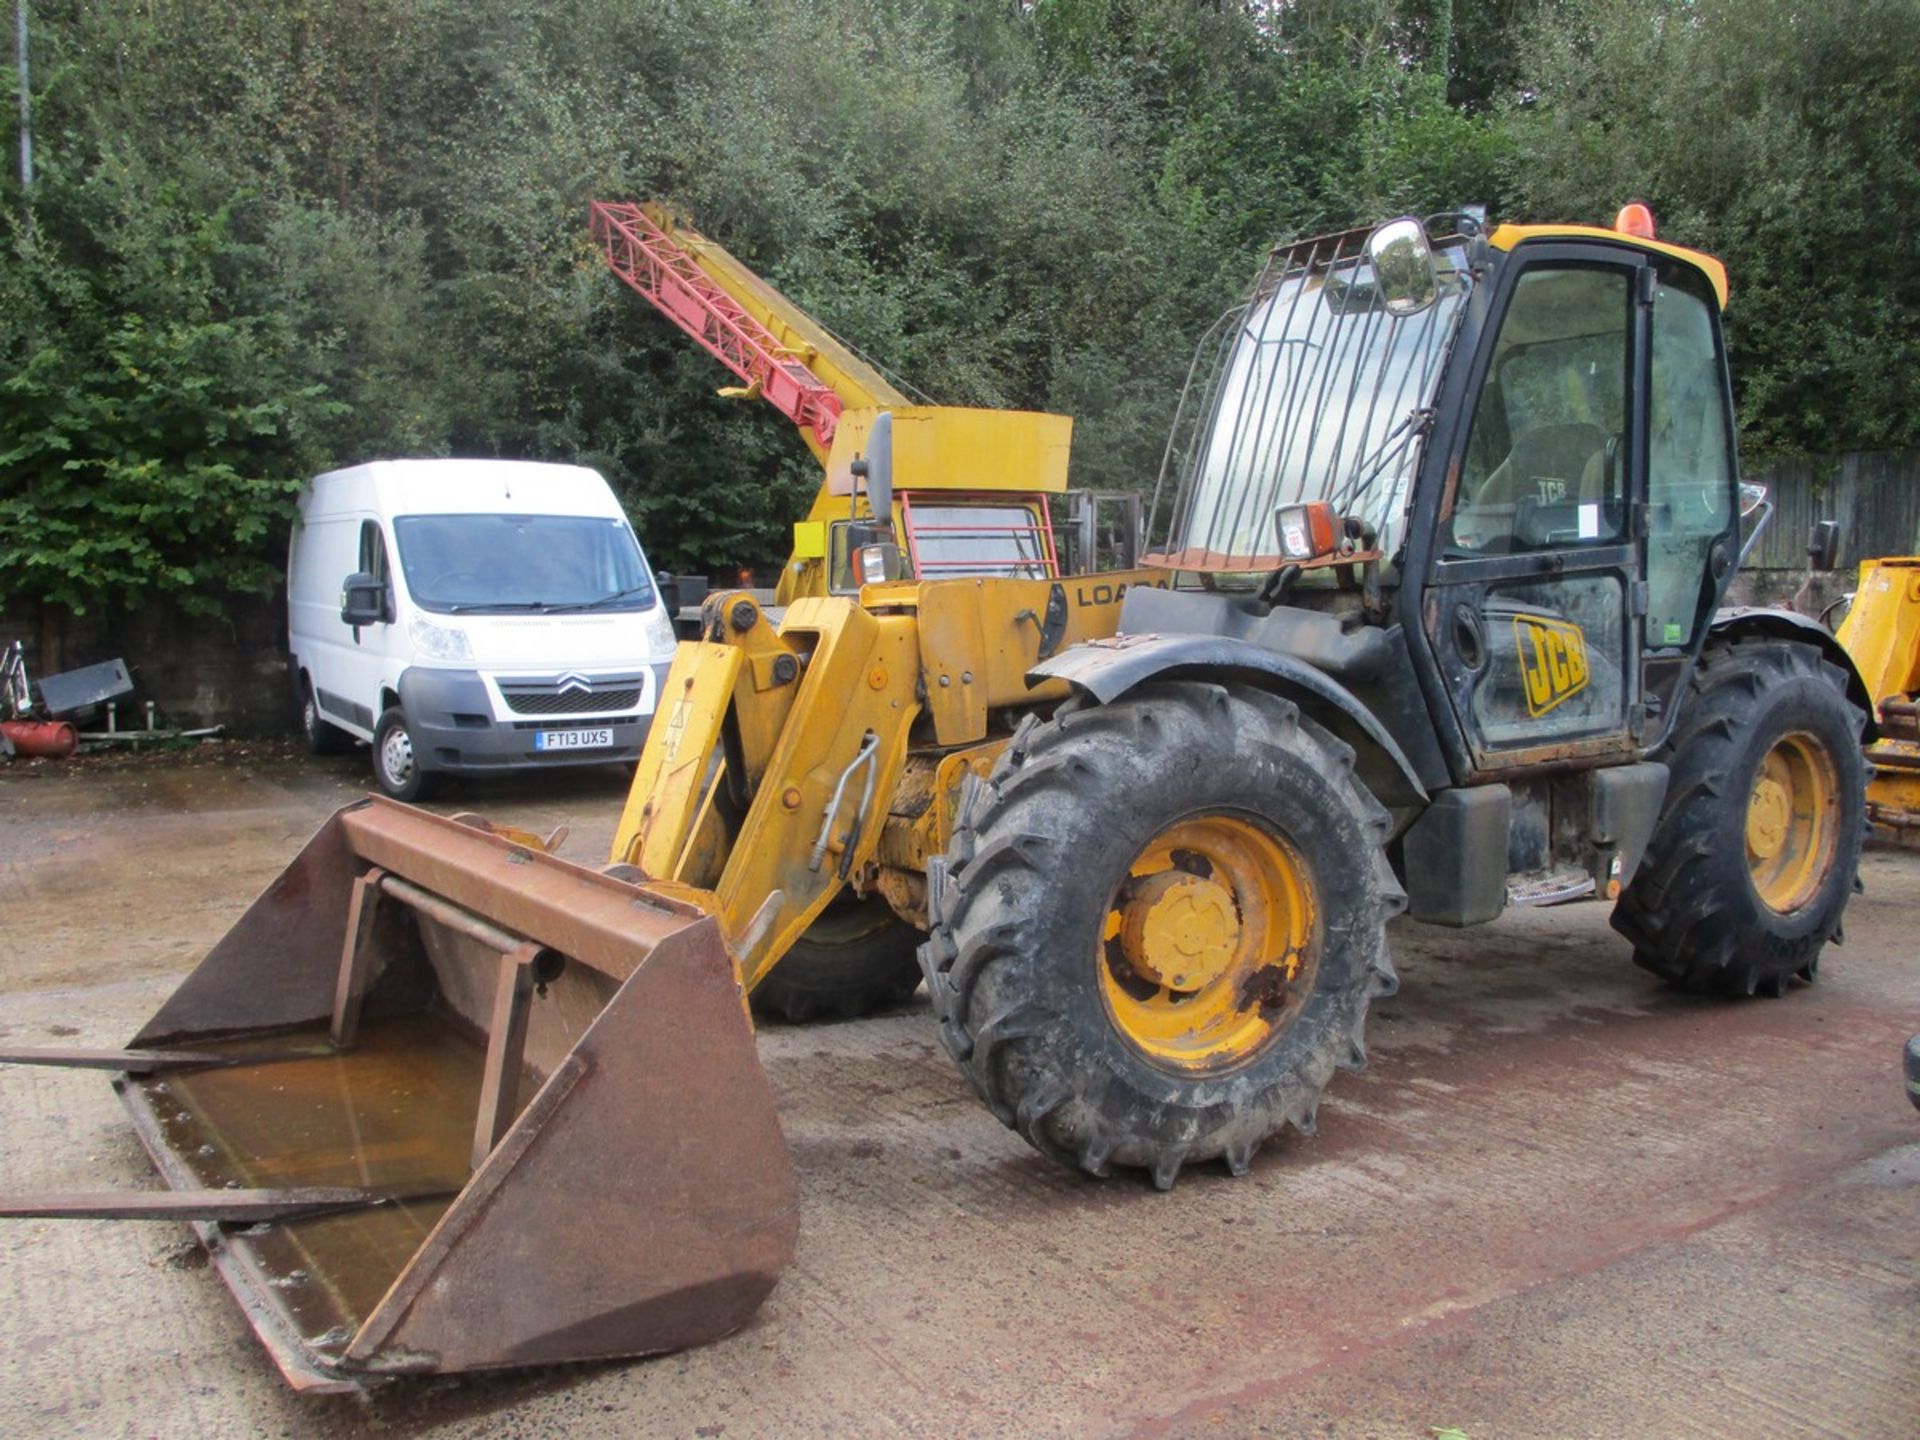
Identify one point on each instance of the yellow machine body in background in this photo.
(1882, 634)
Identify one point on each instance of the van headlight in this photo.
(660, 636)
(439, 642)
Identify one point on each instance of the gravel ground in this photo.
(1560, 1201)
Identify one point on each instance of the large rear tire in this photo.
(1158, 927)
(1758, 844)
(855, 959)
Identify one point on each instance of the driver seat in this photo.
(1572, 453)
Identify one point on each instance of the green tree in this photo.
(272, 239)
(153, 417)
(1781, 137)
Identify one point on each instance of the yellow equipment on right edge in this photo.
(1882, 634)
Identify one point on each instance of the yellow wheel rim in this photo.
(1793, 816)
(1210, 944)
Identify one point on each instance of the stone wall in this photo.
(228, 670)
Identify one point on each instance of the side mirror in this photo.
(1823, 545)
(877, 469)
(878, 562)
(1404, 275)
(363, 600)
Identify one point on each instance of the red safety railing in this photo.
(649, 259)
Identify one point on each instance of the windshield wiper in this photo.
(541, 607)
(1412, 427)
(594, 604)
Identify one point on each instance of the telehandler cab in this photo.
(1430, 620)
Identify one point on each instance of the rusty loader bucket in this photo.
(441, 1102)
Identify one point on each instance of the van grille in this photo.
(596, 722)
(571, 695)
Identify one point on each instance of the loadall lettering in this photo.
(1102, 593)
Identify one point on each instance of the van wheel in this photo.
(396, 763)
(322, 738)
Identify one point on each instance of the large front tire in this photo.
(1758, 843)
(858, 957)
(1158, 927)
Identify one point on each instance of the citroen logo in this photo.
(571, 681)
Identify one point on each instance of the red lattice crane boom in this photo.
(779, 353)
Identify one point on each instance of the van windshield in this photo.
(503, 563)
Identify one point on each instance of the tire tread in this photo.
(1688, 919)
(999, 871)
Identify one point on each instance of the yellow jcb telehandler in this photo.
(1430, 620)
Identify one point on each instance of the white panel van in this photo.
(470, 616)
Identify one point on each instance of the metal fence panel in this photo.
(1875, 495)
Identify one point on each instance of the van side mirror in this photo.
(363, 600)
(1823, 545)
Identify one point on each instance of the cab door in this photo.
(1693, 515)
(1535, 590)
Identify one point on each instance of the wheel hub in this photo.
(1180, 930)
(1793, 815)
(1768, 812)
(1209, 945)
(397, 752)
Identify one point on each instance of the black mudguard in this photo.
(1108, 669)
(1778, 624)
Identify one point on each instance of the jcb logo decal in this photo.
(1553, 660)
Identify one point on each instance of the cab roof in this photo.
(1506, 237)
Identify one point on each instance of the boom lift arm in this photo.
(781, 354)
(999, 459)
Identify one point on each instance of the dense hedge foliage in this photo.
(265, 239)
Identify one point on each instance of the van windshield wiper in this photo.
(595, 604)
(542, 607)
